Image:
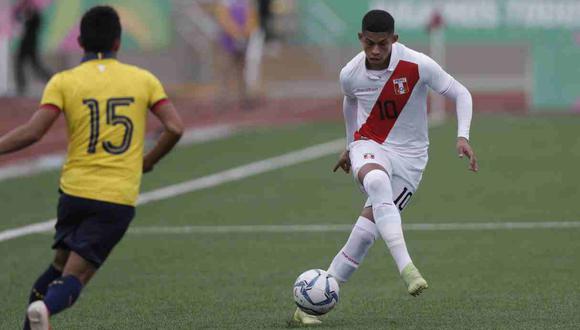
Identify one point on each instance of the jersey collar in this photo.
(395, 56)
(98, 56)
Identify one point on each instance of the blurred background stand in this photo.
(510, 57)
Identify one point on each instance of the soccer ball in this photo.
(315, 292)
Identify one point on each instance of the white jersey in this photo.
(391, 105)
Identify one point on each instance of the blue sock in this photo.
(62, 293)
(40, 286)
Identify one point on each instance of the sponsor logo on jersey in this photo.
(366, 90)
(369, 156)
(401, 86)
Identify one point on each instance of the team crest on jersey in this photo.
(369, 156)
(401, 86)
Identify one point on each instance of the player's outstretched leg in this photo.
(377, 184)
(62, 293)
(362, 237)
(40, 287)
(346, 262)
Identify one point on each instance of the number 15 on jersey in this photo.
(112, 119)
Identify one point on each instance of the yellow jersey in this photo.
(105, 103)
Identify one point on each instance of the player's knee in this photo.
(378, 185)
(366, 169)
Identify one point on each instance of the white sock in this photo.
(377, 185)
(357, 246)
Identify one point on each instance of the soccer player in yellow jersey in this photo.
(105, 104)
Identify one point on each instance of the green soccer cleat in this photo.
(413, 279)
(305, 319)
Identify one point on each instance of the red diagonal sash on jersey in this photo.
(390, 104)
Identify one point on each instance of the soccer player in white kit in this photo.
(385, 112)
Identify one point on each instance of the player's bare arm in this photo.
(30, 132)
(169, 117)
(464, 149)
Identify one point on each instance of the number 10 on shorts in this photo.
(403, 199)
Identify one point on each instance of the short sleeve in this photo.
(53, 95)
(435, 77)
(345, 83)
(156, 92)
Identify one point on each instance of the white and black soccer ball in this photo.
(316, 292)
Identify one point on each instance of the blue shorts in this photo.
(89, 227)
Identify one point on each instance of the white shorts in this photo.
(405, 172)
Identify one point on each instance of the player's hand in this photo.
(343, 162)
(147, 166)
(464, 149)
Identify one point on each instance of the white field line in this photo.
(234, 174)
(241, 172)
(327, 228)
(345, 228)
(32, 166)
(35, 228)
(49, 162)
